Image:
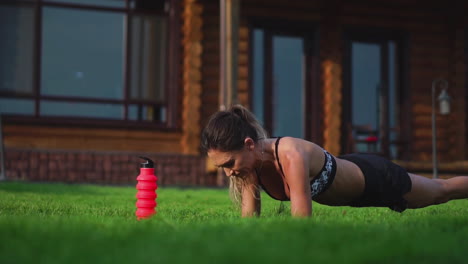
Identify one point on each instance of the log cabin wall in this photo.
(211, 68)
(331, 76)
(436, 49)
(99, 139)
(210, 59)
(192, 65)
(102, 156)
(103, 167)
(49, 151)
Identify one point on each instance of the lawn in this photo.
(58, 223)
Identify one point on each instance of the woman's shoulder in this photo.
(293, 144)
(296, 141)
(296, 150)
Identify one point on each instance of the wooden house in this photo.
(87, 86)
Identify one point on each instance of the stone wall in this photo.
(103, 167)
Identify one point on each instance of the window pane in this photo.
(365, 75)
(133, 112)
(16, 106)
(148, 42)
(288, 86)
(92, 110)
(258, 88)
(16, 48)
(106, 3)
(82, 53)
(393, 108)
(146, 113)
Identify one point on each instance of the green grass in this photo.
(57, 223)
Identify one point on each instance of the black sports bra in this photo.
(320, 183)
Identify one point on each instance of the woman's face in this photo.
(235, 163)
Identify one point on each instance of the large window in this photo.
(87, 61)
(285, 95)
(375, 111)
(16, 59)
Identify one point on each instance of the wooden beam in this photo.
(192, 75)
(229, 38)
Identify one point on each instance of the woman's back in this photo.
(347, 183)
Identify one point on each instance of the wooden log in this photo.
(391, 12)
(210, 71)
(297, 4)
(428, 51)
(243, 85)
(437, 62)
(243, 98)
(211, 59)
(426, 133)
(376, 21)
(211, 83)
(192, 63)
(243, 72)
(44, 137)
(281, 13)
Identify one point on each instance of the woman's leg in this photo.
(425, 191)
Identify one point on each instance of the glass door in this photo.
(280, 87)
(373, 100)
(288, 86)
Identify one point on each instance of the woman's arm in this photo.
(296, 170)
(251, 205)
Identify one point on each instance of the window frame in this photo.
(313, 102)
(172, 121)
(376, 35)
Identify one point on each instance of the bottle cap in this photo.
(147, 164)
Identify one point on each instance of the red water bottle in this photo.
(146, 186)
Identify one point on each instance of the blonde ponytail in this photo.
(248, 117)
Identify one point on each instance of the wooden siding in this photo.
(210, 57)
(331, 77)
(436, 49)
(192, 75)
(61, 138)
(243, 68)
(457, 75)
(437, 45)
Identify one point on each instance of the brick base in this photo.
(103, 167)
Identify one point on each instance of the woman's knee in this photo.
(427, 192)
(443, 191)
